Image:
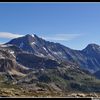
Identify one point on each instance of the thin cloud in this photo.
(55, 37)
(8, 35)
(61, 37)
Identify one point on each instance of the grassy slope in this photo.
(57, 82)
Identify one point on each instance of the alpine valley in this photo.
(33, 67)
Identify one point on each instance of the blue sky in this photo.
(73, 24)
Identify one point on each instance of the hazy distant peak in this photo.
(92, 46)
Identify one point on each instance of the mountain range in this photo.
(88, 58)
(34, 64)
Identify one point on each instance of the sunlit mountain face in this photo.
(32, 66)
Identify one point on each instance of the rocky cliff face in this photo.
(8, 63)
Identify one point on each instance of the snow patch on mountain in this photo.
(33, 43)
(45, 49)
(57, 53)
(12, 52)
(32, 35)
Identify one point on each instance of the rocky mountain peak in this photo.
(31, 35)
(92, 47)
